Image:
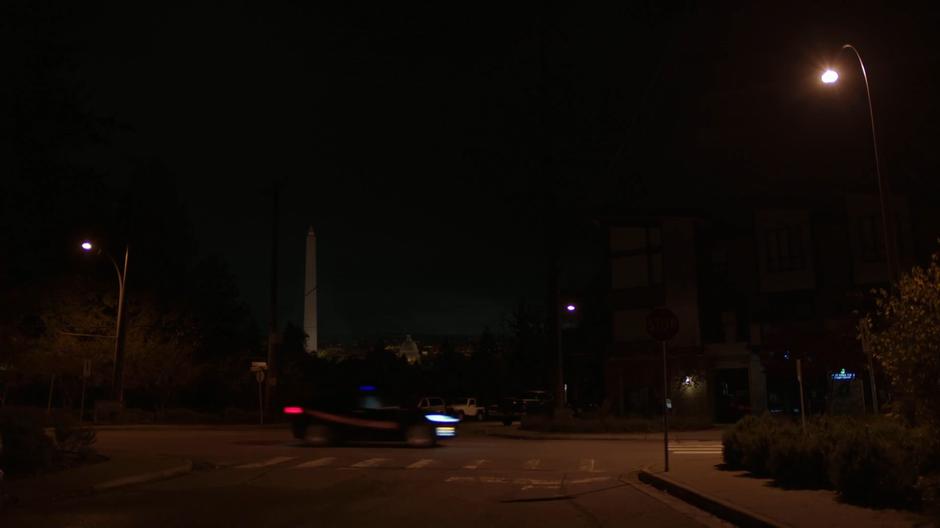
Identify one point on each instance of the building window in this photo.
(785, 249)
(869, 239)
(636, 257)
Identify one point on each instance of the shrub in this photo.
(875, 464)
(747, 444)
(236, 415)
(26, 449)
(72, 441)
(799, 460)
(187, 416)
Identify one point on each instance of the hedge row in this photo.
(874, 462)
(26, 449)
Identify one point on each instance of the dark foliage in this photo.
(26, 447)
(872, 462)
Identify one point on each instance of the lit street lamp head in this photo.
(571, 307)
(829, 76)
(87, 246)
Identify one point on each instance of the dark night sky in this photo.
(399, 131)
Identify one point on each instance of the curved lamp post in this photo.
(117, 383)
(830, 77)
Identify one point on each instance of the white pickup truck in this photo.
(466, 408)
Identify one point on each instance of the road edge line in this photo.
(144, 478)
(717, 507)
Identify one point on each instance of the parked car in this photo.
(364, 415)
(537, 400)
(515, 407)
(432, 404)
(466, 408)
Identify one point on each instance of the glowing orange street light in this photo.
(829, 76)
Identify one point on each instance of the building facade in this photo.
(754, 292)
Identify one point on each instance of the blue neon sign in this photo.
(842, 375)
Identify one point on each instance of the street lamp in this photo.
(830, 77)
(117, 383)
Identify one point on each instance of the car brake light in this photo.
(293, 410)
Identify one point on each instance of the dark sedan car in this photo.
(363, 415)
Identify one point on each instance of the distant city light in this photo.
(688, 380)
(571, 307)
(293, 410)
(367, 388)
(829, 76)
(86, 245)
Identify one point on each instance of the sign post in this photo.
(86, 373)
(662, 325)
(799, 378)
(259, 368)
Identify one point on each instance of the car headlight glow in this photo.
(445, 431)
(441, 418)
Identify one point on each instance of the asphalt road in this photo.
(260, 477)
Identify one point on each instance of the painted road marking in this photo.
(588, 480)
(525, 483)
(587, 464)
(424, 462)
(369, 462)
(266, 463)
(320, 462)
(475, 464)
(696, 448)
(533, 463)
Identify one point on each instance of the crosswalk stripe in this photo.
(475, 464)
(265, 463)
(420, 464)
(532, 464)
(369, 462)
(320, 462)
(587, 464)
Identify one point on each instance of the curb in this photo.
(561, 437)
(576, 436)
(144, 477)
(717, 507)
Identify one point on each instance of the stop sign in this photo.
(662, 324)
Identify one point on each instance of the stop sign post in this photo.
(662, 325)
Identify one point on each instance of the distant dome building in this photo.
(409, 350)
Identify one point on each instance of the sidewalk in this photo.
(756, 502)
(515, 431)
(120, 470)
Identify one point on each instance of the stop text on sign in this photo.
(662, 324)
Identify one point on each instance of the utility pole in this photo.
(272, 327)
